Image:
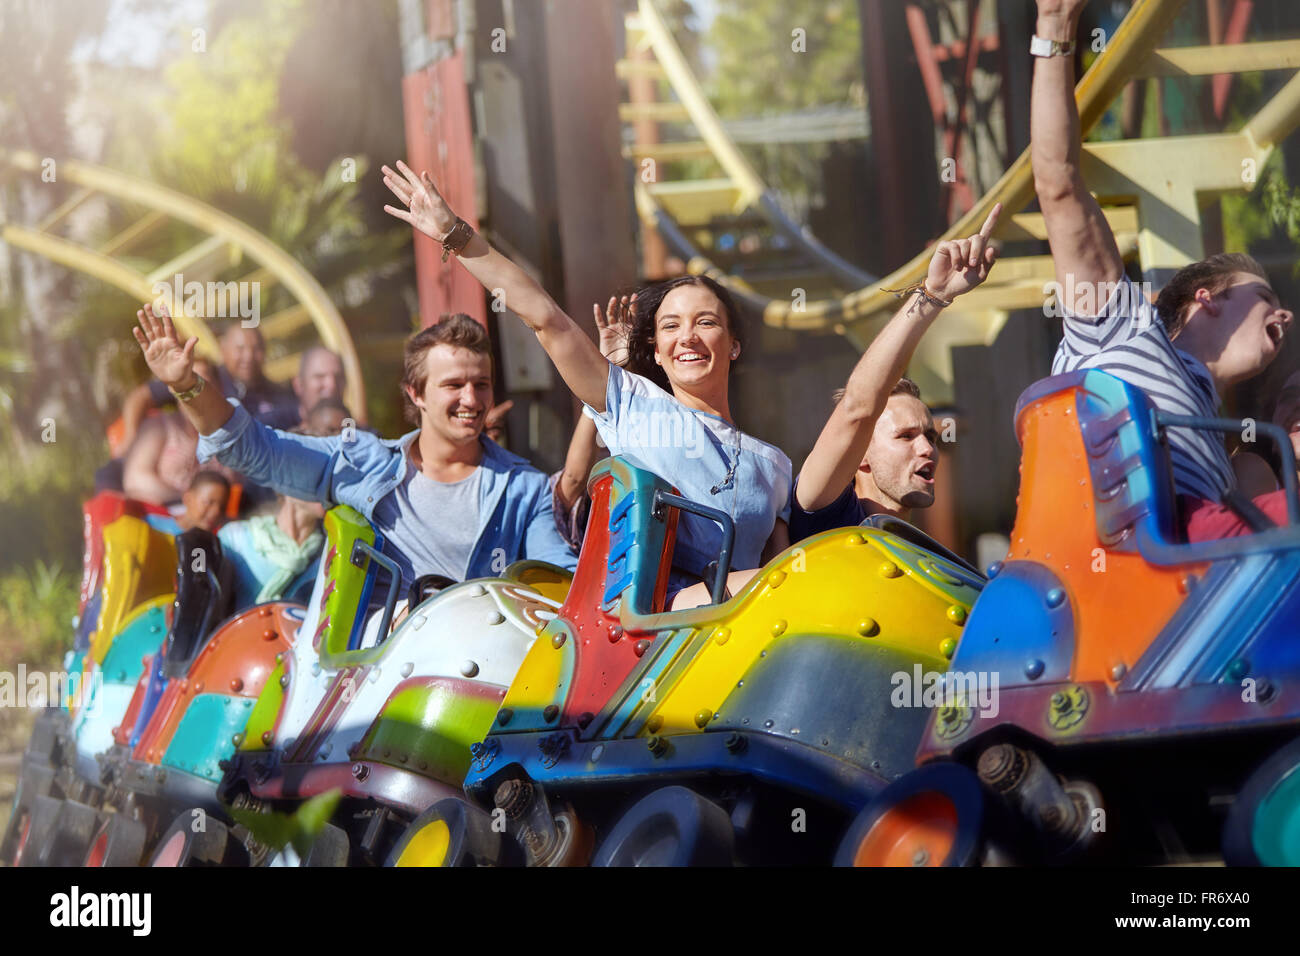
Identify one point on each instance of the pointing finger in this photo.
(986, 230)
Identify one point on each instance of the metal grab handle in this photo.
(1275, 432)
(665, 499)
(212, 604)
(361, 550)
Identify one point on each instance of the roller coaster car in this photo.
(751, 729)
(389, 725)
(1129, 664)
(127, 581)
(189, 707)
(155, 643)
(191, 699)
(98, 513)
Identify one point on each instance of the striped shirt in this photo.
(1128, 340)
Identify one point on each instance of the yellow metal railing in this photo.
(1151, 187)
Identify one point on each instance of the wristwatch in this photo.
(1039, 46)
(455, 241)
(190, 393)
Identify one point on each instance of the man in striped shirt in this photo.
(1216, 323)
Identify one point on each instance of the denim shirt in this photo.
(515, 516)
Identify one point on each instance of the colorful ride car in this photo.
(751, 729)
(385, 718)
(127, 583)
(1144, 683)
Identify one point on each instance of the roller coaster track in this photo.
(226, 242)
(1150, 189)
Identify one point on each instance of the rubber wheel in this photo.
(49, 725)
(35, 780)
(74, 830)
(674, 826)
(43, 815)
(212, 846)
(1263, 826)
(933, 816)
(329, 849)
(453, 833)
(119, 842)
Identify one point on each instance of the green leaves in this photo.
(299, 829)
(1270, 211)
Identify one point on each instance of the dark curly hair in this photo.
(641, 341)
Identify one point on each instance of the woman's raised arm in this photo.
(576, 357)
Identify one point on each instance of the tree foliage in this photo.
(775, 57)
(211, 122)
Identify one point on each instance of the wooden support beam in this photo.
(1030, 225)
(697, 202)
(64, 209)
(668, 152)
(1216, 60)
(205, 259)
(132, 235)
(628, 69)
(655, 112)
(285, 322)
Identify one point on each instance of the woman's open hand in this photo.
(614, 325)
(171, 362)
(426, 210)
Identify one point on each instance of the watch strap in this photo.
(1040, 46)
(456, 240)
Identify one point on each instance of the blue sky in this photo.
(143, 38)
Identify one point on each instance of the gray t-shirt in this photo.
(430, 527)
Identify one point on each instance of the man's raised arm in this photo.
(1083, 247)
(957, 266)
(297, 465)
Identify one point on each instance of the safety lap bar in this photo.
(666, 499)
(360, 551)
(1159, 551)
(1275, 432)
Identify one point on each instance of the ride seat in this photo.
(1127, 458)
(628, 547)
(204, 598)
(1075, 592)
(347, 579)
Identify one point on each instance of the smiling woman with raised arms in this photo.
(684, 334)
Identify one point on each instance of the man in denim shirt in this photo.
(445, 498)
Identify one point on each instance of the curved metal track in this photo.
(1150, 188)
(227, 242)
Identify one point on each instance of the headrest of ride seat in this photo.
(1128, 462)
